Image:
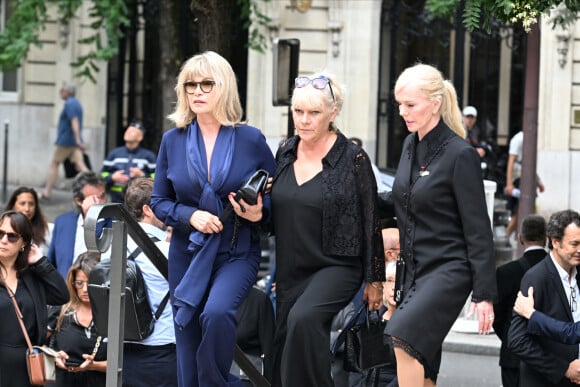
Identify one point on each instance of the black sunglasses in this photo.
(12, 236)
(206, 86)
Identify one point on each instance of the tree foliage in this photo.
(108, 20)
(480, 13)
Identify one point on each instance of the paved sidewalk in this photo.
(464, 338)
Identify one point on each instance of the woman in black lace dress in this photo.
(328, 238)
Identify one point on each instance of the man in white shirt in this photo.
(545, 362)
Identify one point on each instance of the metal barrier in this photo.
(116, 239)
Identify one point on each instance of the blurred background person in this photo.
(512, 180)
(82, 352)
(68, 234)
(127, 162)
(29, 277)
(25, 200)
(153, 360)
(532, 237)
(69, 141)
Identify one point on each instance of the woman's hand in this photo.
(524, 306)
(206, 222)
(246, 211)
(373, 294)
(269, 185)
(34, 255)
(61, 359)
(484, 315)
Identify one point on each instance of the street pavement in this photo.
(462, 338)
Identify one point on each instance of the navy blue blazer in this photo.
(62, 244)
(544, 325)
(544, 362)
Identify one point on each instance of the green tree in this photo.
(479, 13)
(28, 19)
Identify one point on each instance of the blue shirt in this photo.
(157, 287)
(72, 109)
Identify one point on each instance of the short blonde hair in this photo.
(312, 96)
(228, 110)
(433, 85)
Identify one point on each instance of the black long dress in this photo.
(13, 346)
(310, 285)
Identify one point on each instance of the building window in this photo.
(8, 79)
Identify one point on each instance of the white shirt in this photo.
(570, 285)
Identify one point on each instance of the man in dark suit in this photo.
(532, 236)
(544, 362)
(68, 240)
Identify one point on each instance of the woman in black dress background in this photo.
(34, 283)
(83, 354)
(445, 232)
(328, 238)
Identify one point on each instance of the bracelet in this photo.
(377, 287)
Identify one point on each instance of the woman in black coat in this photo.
(446, 238)
(34, 282)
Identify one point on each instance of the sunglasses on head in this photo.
(11, 236)
(318, 83)
(206, 86)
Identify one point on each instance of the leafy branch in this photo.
(480, 13)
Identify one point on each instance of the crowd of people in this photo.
(419, 250)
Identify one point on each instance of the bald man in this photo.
(128, 162)
(391, 243)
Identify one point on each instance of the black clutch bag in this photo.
(249, 191)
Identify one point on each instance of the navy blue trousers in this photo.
(205, 347)
(145, 365)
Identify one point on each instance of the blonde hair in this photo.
(311, 96)
(228, 109)
(391, 268)
(433, 85)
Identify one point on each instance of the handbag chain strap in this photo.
(19, 315)
(97, 345)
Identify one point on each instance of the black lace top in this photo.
(350, 221)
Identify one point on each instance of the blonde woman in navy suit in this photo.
(207, 157)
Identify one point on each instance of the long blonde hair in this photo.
(433, 85)
(228, 110)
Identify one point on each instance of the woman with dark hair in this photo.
(25, 200)
(29, 277)
(83, 353)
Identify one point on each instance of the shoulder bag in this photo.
(39, 359)
(365, 346)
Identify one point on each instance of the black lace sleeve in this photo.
(372, 243)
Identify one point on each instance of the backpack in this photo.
(139, 318)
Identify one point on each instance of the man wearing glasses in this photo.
(544, 362)
(128, 162)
